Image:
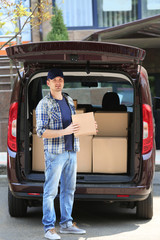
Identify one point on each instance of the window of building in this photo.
(92, 14)
(77, 13)
(115, 12)
(150, 8)
(9, 26)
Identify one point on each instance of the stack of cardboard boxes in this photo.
(110, 144)
(38, 163)
(105, 152)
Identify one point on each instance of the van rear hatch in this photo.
(78, 54)
(90, 59)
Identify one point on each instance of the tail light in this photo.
(122, 196)
(147, 129)
(12, 126)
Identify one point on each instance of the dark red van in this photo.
(116, 165)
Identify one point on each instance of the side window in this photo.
(125, 94)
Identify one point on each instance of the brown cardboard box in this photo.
(34, 121)
(84, 157)
(109, 154)
(112, 124)
(80, 110)
(38, 162)
(86, 122)
(75, 103)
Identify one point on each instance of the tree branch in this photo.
(19, 30)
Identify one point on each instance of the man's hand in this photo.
(72, 128)
(96, 126)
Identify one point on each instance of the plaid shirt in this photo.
(48, 116)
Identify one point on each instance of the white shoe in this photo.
(51, 234)
(73, 229)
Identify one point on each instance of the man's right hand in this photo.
(50, 133)
(72, 128)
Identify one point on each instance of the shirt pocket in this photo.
(55, 121)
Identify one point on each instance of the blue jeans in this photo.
(59, 168)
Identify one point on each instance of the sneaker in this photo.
(51, 234)
(72, 229)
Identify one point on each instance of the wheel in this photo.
(145, 208)
(17, 207)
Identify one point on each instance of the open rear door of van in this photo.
(79, 55)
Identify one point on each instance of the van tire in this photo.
(17, 207)
(145, 208)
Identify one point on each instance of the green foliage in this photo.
(14, 12)
(59, 30)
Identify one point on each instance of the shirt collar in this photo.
(50, 95)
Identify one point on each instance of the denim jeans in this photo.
(59, 168)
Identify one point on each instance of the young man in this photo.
(54, 125)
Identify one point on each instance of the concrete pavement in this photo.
(157, 157)
(3, 158)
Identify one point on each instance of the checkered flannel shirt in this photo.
(48, 116)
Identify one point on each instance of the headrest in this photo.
(110, 100)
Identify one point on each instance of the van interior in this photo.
(105, 157)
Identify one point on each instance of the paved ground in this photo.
(158, 157)
(3, 158)
(110, 223)
(101, 221)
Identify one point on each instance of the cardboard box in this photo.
(86, 122)
(80, 110)
(75, 103)
(112, 124)
(34, 121)
(38, 162)
(84, 157)
(109, 155)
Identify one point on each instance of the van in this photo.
(116, 165)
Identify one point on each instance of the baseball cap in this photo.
(54, 72)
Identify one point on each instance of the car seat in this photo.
(110, 102)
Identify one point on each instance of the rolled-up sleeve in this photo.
(41, 118)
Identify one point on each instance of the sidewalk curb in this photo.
(3, 179)
(3, 176)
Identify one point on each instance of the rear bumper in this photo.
(33, 189)
(87, 192)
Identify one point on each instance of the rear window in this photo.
(91, 89)
(94, 95)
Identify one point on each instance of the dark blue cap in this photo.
(54, 72)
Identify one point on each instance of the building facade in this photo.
(98, 14)
(83, 17)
